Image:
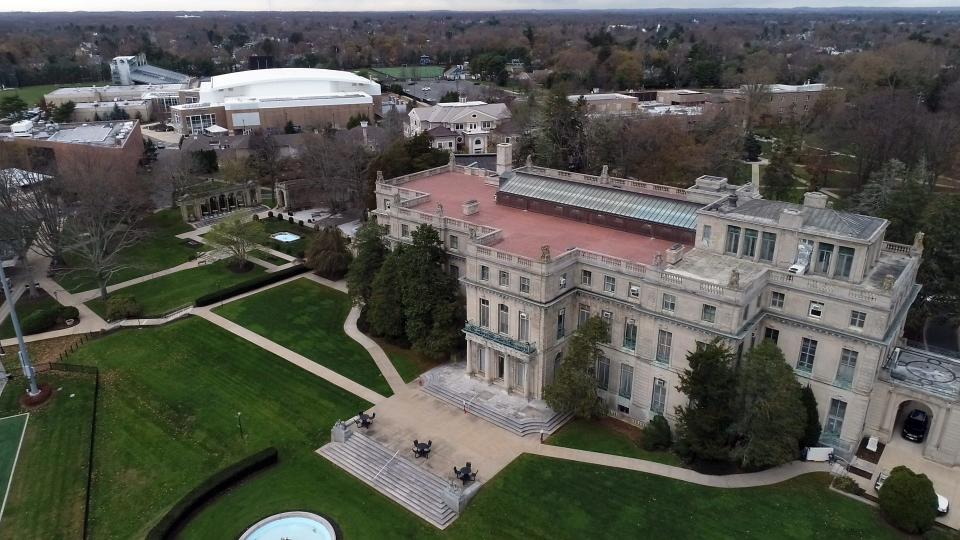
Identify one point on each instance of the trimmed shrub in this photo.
(300, 223)
(269, 213)
(848, 485)
(908, 500)
(249, 285)
(290, 219)
(656, 434)
(123, 306)
(69, 312)
(256, 217)
(40, 321)
(174, 520)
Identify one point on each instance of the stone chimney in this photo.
(815, 199)
(504, 158)
(363, 130)
(791, 218)
(755, 177)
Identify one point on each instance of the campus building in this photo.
(130, 70)
(151, 101)
(267, 99)
(781, 102)
(470, 127)
(118, 143)
(538, 251)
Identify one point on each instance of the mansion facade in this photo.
(538, 251)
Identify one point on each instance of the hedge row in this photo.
(249, 285)
(174, 520)
(45, 319)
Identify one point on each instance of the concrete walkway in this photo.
(762, 478)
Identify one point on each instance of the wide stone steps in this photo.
(416, 489)
(524, 427)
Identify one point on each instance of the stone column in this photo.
(471, 347)
(527, 375)
(943, 426)
(885, 423)
(489, 362)
(507, 371)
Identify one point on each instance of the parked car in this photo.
(943, 504)
(425, 89)
(915, 426)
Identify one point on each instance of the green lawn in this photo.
(408, 72)
(160, 249)
(543, 498)
(171, 291)
(26, 306)
(409, 363)
(167, 417)
(11, 429)
(610, 437)
(48, 493)
(32, 94)
(307, 317)
(295, 248)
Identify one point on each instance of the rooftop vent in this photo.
(471, 207)
(674, 254)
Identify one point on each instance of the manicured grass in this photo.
(269, 257)
(158, 250)
(307, 317)
(409, 363)
(32, 94)
(25, 307)
(562, 499)
(543, 498)
(610, 437)
(11, 429)
(171, 291)
(407, 72)
(167, 417)
(48, 492)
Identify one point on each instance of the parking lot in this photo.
(439, 87)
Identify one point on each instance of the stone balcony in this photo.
(501, 342)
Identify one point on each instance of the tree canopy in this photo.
(574, 386)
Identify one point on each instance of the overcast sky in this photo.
(413, 5)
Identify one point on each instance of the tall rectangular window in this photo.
(658, 400)
(609, 284)
(484, 273)
(768, 243)
(808, 353)
(517, 372)
(404, 230)
(583, 315)
(504, 278)
(847, 367)
(561, 323)
(816, 309)
(503, 320)
(563, 281)
(844, 262)
(733, 240)
(524, 285)
(776, 299)
(664, 344)
(586, 277)
(454, 242)
(607, 324)
(669, 302)
(523, 323)
(630, 334)
(484, 313)
(834, 424)
(749, 242)
(772, 334)
(824, 254)
(603, 373)
(857, 319)
(626, 381)
(708, 313)
(634, 291)
(707, 231)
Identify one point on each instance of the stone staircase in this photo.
(415, 488)
(517, 425)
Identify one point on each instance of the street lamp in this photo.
(24, 355)
(240, 427)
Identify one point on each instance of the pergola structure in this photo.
(215, 197)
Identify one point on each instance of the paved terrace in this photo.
(523, 232)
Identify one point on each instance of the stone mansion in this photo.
(539, 250)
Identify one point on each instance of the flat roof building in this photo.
(267, 99)
(119, 143)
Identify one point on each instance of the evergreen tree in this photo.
(771, 415)
(574, 387)
(751, 147)
(427, 292)
(811, 432)
(908, 500)
(327, 253)
(371, 252)
(385, 310)
(560, 141)
(64, 112)
(778, 179)
(704, 424)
